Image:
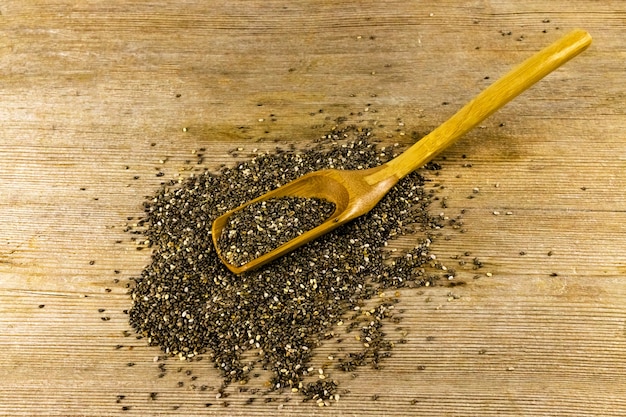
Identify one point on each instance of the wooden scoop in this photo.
(354, 193)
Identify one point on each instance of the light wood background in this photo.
(96, 93)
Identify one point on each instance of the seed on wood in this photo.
(185, 301)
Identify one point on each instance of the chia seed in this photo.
(189, 304)
(264, 226)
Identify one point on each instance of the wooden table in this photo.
(96, 95)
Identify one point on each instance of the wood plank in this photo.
(96, 98)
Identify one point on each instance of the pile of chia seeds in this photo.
(271, 320)
(264, 226)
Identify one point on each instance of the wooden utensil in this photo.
(354, 193)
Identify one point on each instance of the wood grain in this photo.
(94, 95)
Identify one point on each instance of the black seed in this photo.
(186, 302)
(264, 226)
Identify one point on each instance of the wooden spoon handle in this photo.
(488, 101)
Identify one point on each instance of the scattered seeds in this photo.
(272, 318)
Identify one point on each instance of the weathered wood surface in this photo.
(94, 94)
